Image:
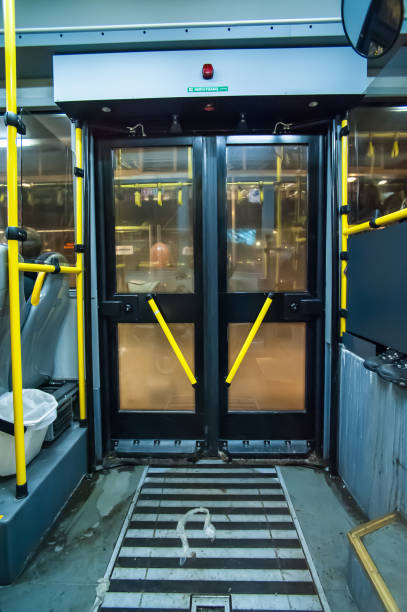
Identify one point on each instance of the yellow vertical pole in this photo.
(79, 276)
(14, 275)
(279, 218)
(344, 228)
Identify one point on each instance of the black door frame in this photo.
(281, 427)
(208, 303)
(115, 308)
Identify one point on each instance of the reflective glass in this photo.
(377, 178)
(153, 220)
(47, 186)
(150, 375)
(267, 207)
(271, 377)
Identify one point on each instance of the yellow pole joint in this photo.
(249, 338)
(13, 270)
(344, 218)
(156, 311)
(79, 276)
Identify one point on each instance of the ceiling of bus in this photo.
(129, 12)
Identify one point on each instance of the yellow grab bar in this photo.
(36, 292)
(388, 219)
(249, 338)
(32, 267)
(171, 339)
(12, 220)
(79, 277)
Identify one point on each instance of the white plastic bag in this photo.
(39, 408)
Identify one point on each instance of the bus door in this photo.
(246, 376)
(270, 234)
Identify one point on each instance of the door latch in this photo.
(116, 309)
(295, 306)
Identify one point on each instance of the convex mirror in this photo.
(372, 26)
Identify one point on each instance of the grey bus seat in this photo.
(42, 325)
(5, 354)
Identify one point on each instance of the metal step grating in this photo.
(258, 560)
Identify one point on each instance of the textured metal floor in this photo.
(259, 557)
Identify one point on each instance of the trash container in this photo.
(40, 410)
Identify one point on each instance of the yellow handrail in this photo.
(344, 217)
(79, 278)
(13, 257)
(155, 185)
(249, 338)
(32, 267)
(388, 219)
(171, 339)
(36, 292)
(12, 220)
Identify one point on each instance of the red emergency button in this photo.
(207, 71)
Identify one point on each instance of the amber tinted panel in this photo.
(267, 201)
(272, 374)
(153, 220)
(150, 376)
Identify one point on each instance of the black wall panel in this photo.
(377, 286)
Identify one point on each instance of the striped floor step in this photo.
(258, 559)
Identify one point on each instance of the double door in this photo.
(200, 239)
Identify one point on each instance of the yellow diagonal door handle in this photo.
(249, 338)
(171, 339)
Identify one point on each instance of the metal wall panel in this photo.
(170, 74)
(372, 438)
(377, 286)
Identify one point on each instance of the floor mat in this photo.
(258, 559)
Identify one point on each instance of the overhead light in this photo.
(242, 124)
(313, 103)
(382, 182)
(352, 179)
(106, 109)
(175, 127)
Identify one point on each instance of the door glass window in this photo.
(272, 374)
(153, 220)
(150, 375)
(267, 209)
